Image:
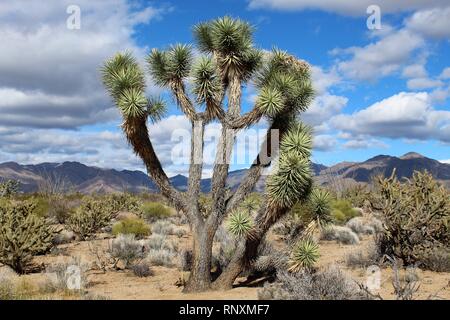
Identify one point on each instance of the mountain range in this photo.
(88, 179)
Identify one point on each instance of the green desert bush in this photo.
(135, 226)
(415, 216)
(22, 235)
(89, 218)
(154, 210)
(342, 211)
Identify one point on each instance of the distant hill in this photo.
(88, 179)
(362, 172)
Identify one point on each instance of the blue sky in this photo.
(381, 91)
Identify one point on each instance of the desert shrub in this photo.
(63, 236)
(60, 209)
(358, 195)
(416, 216)
(363, 258)
(365, 225)
(340, 234)
(154, 210)
(160, 242)
(161, 258)
(304, 256)
(89, 218)
(42, 205)
(137, 227)
(9, 188)
(18, 289)
(142, 270)
(328, 284)
(126, 249)
(117, 202)
(163, 227)
(22, 235)
(438, 260)
(342, 211)
(161, 251)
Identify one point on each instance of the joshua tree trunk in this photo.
(229, 63)
(200, 276)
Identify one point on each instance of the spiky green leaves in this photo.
(291, 183)
(206, 83)
(240, 223)
(304, 256)
(125, 81)
(320, 206)
(298, 140)
(289, 76)
(230, 40)
(224, 35)
(156, 109)
(132, 102)
(270, 102)
(171, 65)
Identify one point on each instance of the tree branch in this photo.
(224, 152)
(178, 90)
(136, 132)
(266, 152)
(195, 169)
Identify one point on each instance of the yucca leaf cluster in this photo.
(240, 223)
(304, 256)
(292, 182)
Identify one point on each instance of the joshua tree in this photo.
(228, 62)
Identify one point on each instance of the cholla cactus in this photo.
(415, 216)
(304, 255)
(228, 61)
(90, 217)
(22, 235)
(9, 188)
